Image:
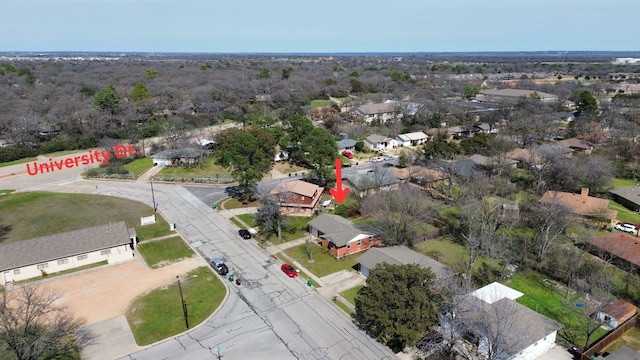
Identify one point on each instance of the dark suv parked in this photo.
(244, 233)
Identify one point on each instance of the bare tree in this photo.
(34, 326)
(549, 221)
(268, 214)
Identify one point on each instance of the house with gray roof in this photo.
(400, 255)
(377, 142)
(177, 157)
(497, 324)
(381, 112)
(341, 236)
(346, 144)
(370, 182)
(514, 95)
(627, 196)
(27, 259)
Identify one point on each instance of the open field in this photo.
(35, 214)
(159, 253)
(209, 168)
(322, 264)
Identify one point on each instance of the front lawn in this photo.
(624, 182)
(452, 254)
(624, 214)
(551, 302)
(295, 227)
(322, 264)
(351, 294)
(138, 166)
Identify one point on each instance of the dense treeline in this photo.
(49, 105)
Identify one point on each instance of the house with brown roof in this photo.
(341, 236)
(584, 206)
(428, 178)
(28, 259)
(297, 197)
(576, 144)
(616, 313)
(622, 247)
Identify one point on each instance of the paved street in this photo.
(269, 316)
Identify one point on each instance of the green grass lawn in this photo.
(451, 254)
(34, 214)
(344, 307)
(624, 182)
(320, 103)
(249, 219)
(630, 339)
(295, 227)
(158, 315)
(138, 166)
(209, 169)
(232, 203)
(552, 303)
(322, 264)
(161, 252)
(624, 214)
(19, 161)
(351, 294)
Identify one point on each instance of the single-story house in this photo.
(341, 236)
(553, 150)
(458, 131)
(526, 158)
(27, 259)
(627, 196)
(583, 205)
(485, 128)
(513, 95)
(492, 319)
(363, 184)
(346, 144)
(177, 157)
(616, 313)
(381, 112)
(281, 156)
(409, 108)
(412, 139)
(400, 255)
(625, 248)
(429, 178)
(434, 132)
(576, 144)
(377, 142)
(297, 197)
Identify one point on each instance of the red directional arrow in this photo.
(339, 193)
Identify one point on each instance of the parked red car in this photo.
(289, 270)
(347, 154)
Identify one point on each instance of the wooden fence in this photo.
(599, 347)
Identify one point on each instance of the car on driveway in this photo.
(289, 270)
(219, 266)
(376, 159)
(244, 233)
(347, 154)
(628, 227)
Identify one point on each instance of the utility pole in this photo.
(153, 198)
(184, 304)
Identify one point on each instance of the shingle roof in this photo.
(400, 255)
(338, 229)
(580, 204)
(371, 180)
(518, 93)
(418, 135)
(629, 193)
(346, 143)
(57, 246)
(299, 187)
(622, 245)
(620, 310)
(372, 109)
(375, 138)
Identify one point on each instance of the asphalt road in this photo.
(268, 316)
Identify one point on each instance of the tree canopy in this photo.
(398, 304)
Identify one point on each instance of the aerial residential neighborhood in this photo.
(375, 207)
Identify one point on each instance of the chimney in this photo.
(584, 192)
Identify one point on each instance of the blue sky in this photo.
(279, 26)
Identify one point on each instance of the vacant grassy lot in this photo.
(287, 168)
(320, 103)
(451, 254)
(36, 214)
(295, 228)
(208, 169)
(322, 264)
(551, 302)
(161, 252)
(158, 315)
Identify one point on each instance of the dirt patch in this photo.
(103, 293)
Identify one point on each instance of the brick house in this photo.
(341, 236)
(297, 197)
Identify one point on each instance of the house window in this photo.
(348, 245)
(42, 266)
(16, 272)
(82, 257)
(105, 252)
(359, 242)
(63, 261)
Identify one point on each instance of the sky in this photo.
(329, 26)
